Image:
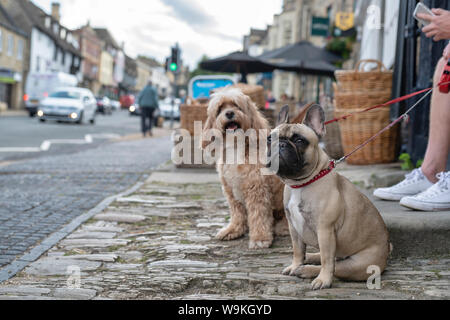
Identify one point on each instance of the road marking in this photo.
(46, 145)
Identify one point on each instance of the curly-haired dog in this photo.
(256, 200)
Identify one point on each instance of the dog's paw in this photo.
(322, 282)
(290, 271)
(255, 245)
(228, 234)
(306, 272)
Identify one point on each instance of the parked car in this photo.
(68, 105)
(166, 108)
(104, 105)
(126, 101)
(115, 105)
(39, 85)
(134, 110)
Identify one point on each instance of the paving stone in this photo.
(93, 243)
(23, 290)
(92, 235)
(124, 218)
(57, 266)
(183, 264)
(74, 294)
(94, 257)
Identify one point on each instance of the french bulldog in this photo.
(329, 214)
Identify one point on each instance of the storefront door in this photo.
(5, 94)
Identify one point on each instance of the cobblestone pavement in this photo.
(39, 196)
(158, 243)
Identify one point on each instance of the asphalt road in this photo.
(46, 190)
(21, 133)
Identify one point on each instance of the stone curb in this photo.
(21, 263)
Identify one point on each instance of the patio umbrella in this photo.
(237, 62)
(319, 68)
(300, 51)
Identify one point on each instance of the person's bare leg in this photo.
(439, 138)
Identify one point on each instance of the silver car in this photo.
(68, 105)
(166, 108)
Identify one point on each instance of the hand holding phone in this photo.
(422, 9)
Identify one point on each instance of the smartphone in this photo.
(421, 8)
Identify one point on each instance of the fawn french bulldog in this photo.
(329, 214)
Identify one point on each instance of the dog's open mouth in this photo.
(232, 126)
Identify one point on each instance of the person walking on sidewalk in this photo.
(148, 103)
(428, 188)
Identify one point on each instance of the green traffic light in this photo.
(173, 67)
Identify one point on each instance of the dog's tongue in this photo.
(232, 126)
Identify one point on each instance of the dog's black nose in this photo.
(230, 115)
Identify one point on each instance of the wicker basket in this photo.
(189, 114)
(379, 79)
(256, 93)
(360, 128)
(360, 100)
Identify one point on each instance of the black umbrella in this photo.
(238, 62)
(300, 51)
(319, 68)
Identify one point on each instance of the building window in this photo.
(1, 41)
(10, 45)
(63, 33)
(55, 28)
(287, 36)
(48, 22)
(38, 64)
(20, 45)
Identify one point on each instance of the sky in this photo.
(151, 27)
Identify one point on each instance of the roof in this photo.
(33, 16)
(106, 36)
(7, 22)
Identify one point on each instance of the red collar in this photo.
(321, 174)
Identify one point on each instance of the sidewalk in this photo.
(14, 113)
(158, 243)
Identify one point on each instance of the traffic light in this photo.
(174, 62)
(167, 64)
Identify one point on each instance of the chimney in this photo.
(56, 6)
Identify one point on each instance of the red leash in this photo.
(379, 106)
(334, 163)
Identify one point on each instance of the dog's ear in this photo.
(283, 117)
(302, 114)
(315, 119)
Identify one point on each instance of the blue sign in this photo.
(201, 87)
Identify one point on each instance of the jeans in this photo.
(147, 116)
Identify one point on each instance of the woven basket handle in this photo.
(361, 64)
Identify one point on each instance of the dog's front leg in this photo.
(260, 218)
(327, 244)
(299, 248)
(238, 223)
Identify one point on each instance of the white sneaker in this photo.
(414, 183)
(436, 198)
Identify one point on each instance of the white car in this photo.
(40, 85)
(115, 105)
(166, 108)
(69, 105)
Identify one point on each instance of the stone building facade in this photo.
(91, 49)
(13, 46)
